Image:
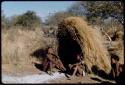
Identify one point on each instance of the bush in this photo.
(28, 20)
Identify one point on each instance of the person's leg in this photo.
(80, 71)
(75, 70)
(45, 65)
(51, 67)
(60, 65)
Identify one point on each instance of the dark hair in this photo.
(46, 50)
(114, 56)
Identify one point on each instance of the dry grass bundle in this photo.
(90, 41)
(120, 46)
(119, 35)
(117, 45)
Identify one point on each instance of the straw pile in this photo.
(90, 41)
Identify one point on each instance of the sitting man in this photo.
(77, 68)
(52, 61)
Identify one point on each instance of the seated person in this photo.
(52, 61)
(77, 68)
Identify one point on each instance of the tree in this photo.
(77, 10)
(98, 11)
(4, 21)
(56, 18)
(28, 20)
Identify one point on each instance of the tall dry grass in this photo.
(17, 45)
(115, 31)
(91, 42)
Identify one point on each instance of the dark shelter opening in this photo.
(68, 48)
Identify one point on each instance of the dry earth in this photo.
(33, 75)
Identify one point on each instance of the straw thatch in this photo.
(90, 41)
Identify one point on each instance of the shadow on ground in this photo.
(38, 66)
(39, 54)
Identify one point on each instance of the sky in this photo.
(42, 8)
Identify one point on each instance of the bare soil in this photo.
(31, 70)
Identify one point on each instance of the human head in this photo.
(50, 50)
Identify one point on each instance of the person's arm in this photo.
(78, 63)
(55, 55)
(61, 65)
(75, 70)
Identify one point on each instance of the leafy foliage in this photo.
(28, 20)
(4, 21)
(57, 18)
(97, 11)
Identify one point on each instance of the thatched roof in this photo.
(90, 41)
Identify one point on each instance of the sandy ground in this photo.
(55, 78)
(35, 76)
